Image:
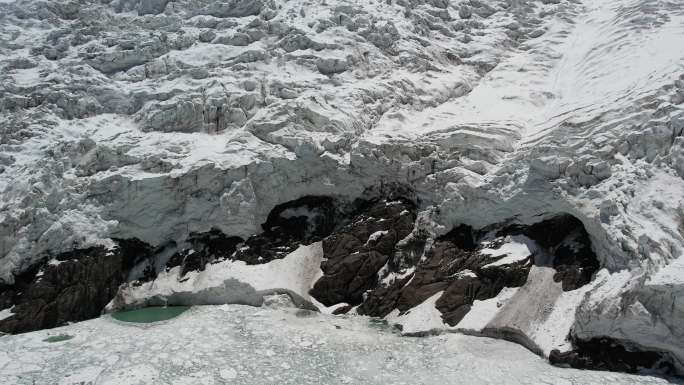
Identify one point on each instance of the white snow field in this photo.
(233, 344)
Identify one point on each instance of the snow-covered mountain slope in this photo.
(245, 345)
(160, 120)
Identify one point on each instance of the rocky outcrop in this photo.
(564, 238)
(609, 354)
(465, 265)
(356, 253)
(69, 287)
(303, 221)
(208, 247)
(454, 266)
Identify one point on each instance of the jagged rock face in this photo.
(303, 221)
(372, 263)
(206, 248)
(454, 266)
(358, 251)
(74, 286)
(564, 238)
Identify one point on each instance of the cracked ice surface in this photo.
(246, 345)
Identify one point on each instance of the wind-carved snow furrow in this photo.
(610, 63)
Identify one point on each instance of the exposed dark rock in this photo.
(612, 355)
(575, 262)
(342, 309)
(134, 250)
(356, 252)
(309, 218)
(302, 221)
(454, 264)
(206, 248)
(10, 293)
(455, 303)
(462, 236)
(305, 220)
(383, 299)
(565, 238)
(74, 286)
(374, 260)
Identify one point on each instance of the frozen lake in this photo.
(150, 314)
(247, 345)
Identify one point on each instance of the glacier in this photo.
(128, 127)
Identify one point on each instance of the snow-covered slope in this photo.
(230, 282)
(159, 119)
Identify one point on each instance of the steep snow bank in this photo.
(229, 282)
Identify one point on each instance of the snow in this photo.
(388, 278)
(514, 249)
(553, 332)
(231, 282)
(423, 318)
(87, 375)
(482, 312)
(6, 313)
(534, 110)
(466, 273)
(669, 275)
(246, 345)
(375, 236)
(228, 374)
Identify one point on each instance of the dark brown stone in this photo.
(75, 289)
(575, 265)
(353, 259)
(612, 355)
(208, 247)
(566, 239)
(302, 221)
(440, 270)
